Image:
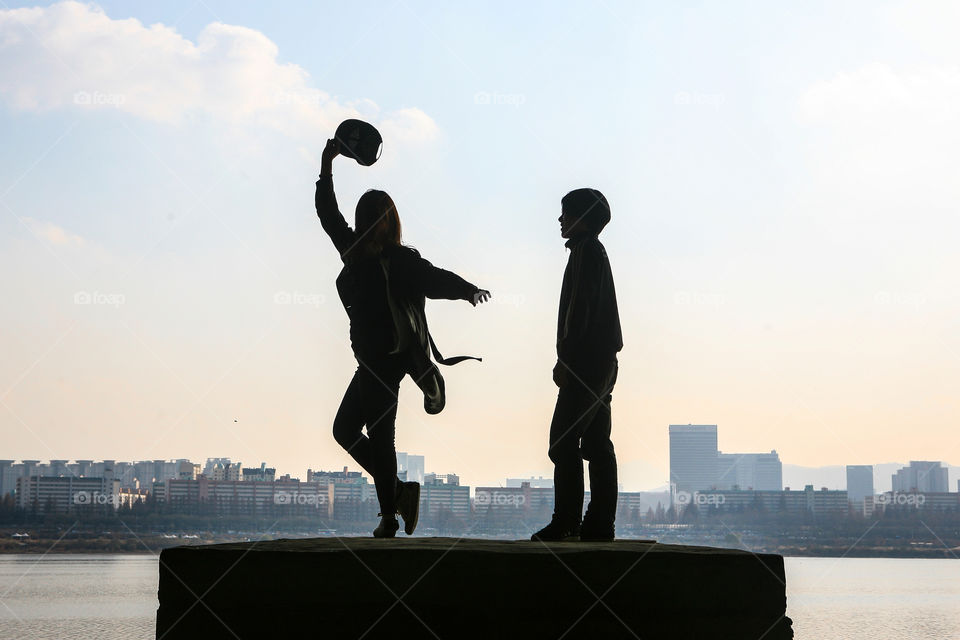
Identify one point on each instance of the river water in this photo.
(115, 596)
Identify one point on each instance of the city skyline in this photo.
(878, 477)
(229, 490)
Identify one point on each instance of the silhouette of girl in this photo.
(382, 287)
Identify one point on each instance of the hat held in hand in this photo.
(359, 140)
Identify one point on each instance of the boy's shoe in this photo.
(590, 532)
(408, 505)
(557, 531)
(387, 528)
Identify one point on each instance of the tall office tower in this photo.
(923, 476)
(757, 471)
(693, 457)
(768, 471)
(8, 477)
(412, 464)
(859, 482)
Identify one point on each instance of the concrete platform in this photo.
(467, 588)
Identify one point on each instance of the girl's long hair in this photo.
(377, 224)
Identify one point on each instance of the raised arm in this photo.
(331, 219)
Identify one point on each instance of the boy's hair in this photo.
(588, 205)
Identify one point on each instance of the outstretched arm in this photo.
(439, 283)
(331, 219)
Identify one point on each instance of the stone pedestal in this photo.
(466, 588)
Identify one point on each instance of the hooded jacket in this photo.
(588, 323)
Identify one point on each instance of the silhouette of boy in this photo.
(588, 340)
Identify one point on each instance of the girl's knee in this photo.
(346, 434)
(597, 452)
(564, 451)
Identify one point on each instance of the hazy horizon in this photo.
(782, 238)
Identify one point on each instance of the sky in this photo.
(782, 179)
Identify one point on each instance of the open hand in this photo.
(481, 296)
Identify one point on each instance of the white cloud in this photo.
(887, 131)
(408, 125)
(52, 233)
(879, 95)
(73, 55)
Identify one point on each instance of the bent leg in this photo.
(348, 425)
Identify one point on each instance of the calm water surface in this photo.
(78, 596)
(877, 599)
(115, 596)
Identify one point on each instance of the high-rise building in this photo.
(514, 500)
(536, 483)
(8, 477)
(756, 471)
(64, 494)
(786, 502)
(693, 457)
(130, 474)
(223, 469)
(444, 493)
(58, 468)
(213, 463)
(922, 476)
(346, 492)
(263, 473)
(83, 468)
(236, 497)
(859, 483)
(411, 465)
